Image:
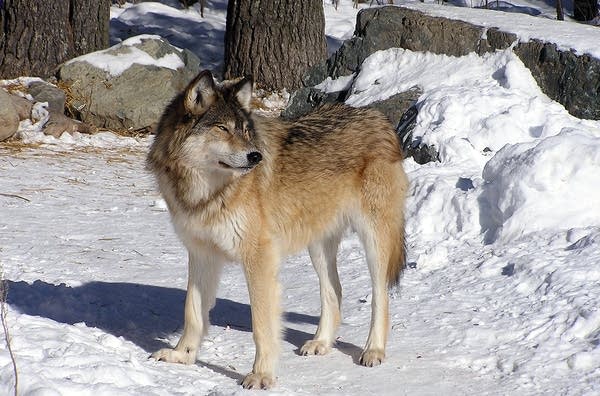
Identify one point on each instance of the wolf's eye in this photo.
(222, 127)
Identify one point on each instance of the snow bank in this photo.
(548, 184)
(512, 160)
(470, 103)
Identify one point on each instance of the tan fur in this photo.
(337, 167)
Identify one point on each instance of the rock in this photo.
(564, 76)
(44, 92)
(396, 106)
(58, 124)
(112, 92)
(22, 106)
(402, 111)
(304, 100)
(9, 118)
(397, 27)
(570, 79)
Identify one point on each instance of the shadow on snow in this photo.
(142, 314)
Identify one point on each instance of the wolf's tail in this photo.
(397, 261)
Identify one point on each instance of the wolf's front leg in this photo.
(203, 279)
(261, 270)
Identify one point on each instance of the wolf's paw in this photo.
(315, 347)
(258, 381)
(372, 357)
(169, 355)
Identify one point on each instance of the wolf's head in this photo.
(209, 126)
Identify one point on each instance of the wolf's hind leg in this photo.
(374, 351)
(323, 256)
(381, 230)
(203, 280)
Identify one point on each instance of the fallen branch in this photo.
(14, 196)
(3, 313)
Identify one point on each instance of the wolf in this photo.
(252, 189)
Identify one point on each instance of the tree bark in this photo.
(585, 10)
(560, 15)
(36, 36)
(275, 41)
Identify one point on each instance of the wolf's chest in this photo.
(225, 233)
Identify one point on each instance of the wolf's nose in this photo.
(254, 157)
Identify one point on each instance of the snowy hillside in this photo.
(501, 294)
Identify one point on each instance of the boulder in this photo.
(396, 106)
(397, 27)
(570, 79)
(9, 118)
(22, 106)
(304, 100)
(402, 111)
(128, 85)
(44, 92)
(564, 76)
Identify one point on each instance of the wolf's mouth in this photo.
(238, 168)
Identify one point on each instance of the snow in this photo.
(501, 294)
(581, 38)
(183, 28)
(526, 183)
(127, 55)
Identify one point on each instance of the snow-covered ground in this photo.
(501, 295)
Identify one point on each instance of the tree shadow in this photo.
(333, 44)
(142, 314)
(202, 37)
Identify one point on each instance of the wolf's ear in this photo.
(243, 92)
(200, 93)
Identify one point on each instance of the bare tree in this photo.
(585, 10)
(275, 41)
(559, 11)
(39, 35)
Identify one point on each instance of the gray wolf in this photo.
(251, 189)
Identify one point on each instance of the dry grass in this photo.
(15, 147)
(72, 100)
(15, 88)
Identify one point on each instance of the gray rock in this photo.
(396, 106)
(397, 27)
(570, 79)
(44, 92)
(304, 100)
(564, 76)
(134, 99)
(402, 111)
(9, 119)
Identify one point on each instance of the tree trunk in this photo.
(585, 10)
(560, 15)
(36, 36)
(275, 41)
